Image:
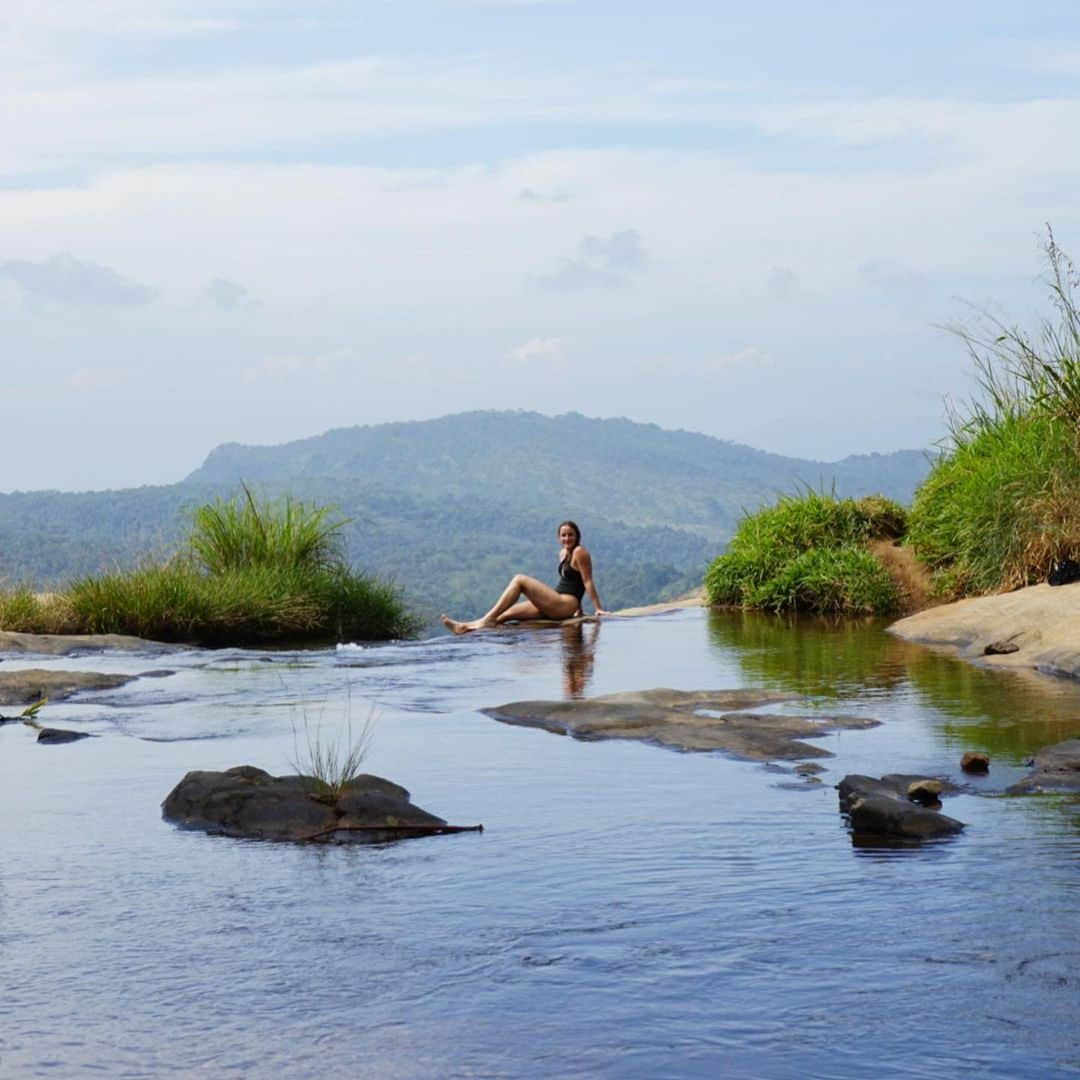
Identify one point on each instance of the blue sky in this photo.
(256, 221)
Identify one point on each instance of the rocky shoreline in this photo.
(1037, 627)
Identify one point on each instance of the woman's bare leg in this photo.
(522, 611)
(548, 603)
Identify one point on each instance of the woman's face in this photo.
(567, 537)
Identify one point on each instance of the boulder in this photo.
(696, 720)
(883, 809)
(32, 684)
(974, 761)
(51, 736)
(247, 802)
(12, 641)
(1057, 770)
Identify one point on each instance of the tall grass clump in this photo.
(1002, 502)
(35, 613)
(253, 572)
(808, 553)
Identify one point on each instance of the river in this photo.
(628, 911)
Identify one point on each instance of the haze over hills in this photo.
(450, 507)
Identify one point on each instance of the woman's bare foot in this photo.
(454, 626)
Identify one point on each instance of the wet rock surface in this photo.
(897, 807)
(247, 802)
(76, 644)
(697, 720)
(33, 684)
(1057, 771)
(57, 736)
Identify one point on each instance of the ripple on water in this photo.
(628, 911)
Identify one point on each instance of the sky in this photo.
(253, 221)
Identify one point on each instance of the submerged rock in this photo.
(883, 809)
(695, 720)
(76, 644)
(247, 802)
(1057, 770)
(33, 684)
(51, 736)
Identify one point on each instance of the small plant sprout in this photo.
(331, 759)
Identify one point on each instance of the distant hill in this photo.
(450, 507)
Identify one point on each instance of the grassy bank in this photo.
(251, 573)
(1002, 503)
(809, 553)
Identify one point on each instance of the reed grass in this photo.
(253, 573)
(807, 552)
(1002, 502)
(331, 763)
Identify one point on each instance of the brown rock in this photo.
(975, 762)
(33, 684)
(696, 720)
(247, 802)
(1057, 770)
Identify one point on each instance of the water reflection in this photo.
(1008, 712)
(578, 657)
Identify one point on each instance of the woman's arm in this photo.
(582, 563)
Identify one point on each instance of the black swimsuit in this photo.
(571, 583)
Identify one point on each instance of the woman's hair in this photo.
(573, 525)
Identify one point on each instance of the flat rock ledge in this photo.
(247, 802)
(32, 684)
(1057, 771)
(695, 720)
(896, 808)
(1037, 627)
(78, 644)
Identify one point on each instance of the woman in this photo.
(526, 598)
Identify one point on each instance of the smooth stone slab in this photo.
(76, 644)
(699, 720)
(247, 802)
(1057, 771)
(32, 684)
(1043, 623)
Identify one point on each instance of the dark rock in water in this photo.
(883, 808)
(1057, 770)
(33, 684)
(247, 802)
(685, 720)
(975, 761)
(1000, 648)
(55, 736)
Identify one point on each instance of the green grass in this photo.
(1002, 503)
(808, 553)
(331, 763)
(253, 574)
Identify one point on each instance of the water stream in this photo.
(628, 911)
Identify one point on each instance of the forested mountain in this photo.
(450, 507)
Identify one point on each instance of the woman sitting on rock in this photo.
(526, 598)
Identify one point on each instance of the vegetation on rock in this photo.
(808, 553)
(250, 573)
(1002, 503)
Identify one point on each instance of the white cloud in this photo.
(752, 356)
(67, 280)
(228, 296)
(290, 367)
(541, 350)
(601, 260)
(89, 380)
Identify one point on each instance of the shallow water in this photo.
(629, 911)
